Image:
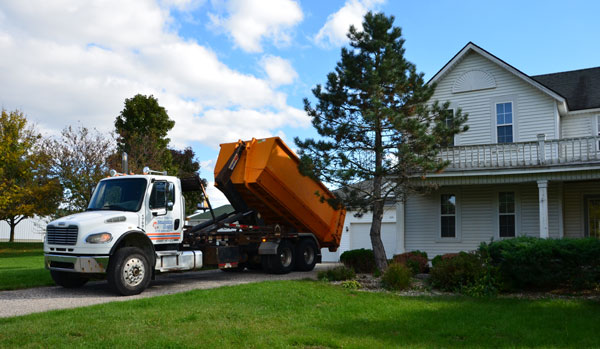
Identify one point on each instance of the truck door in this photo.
(164, 223)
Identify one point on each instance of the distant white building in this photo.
(28, 230)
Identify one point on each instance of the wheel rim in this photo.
(133, 272)
(286, 257)
(309, 255)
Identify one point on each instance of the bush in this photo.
(455, 272)
(542, 264)
(438, 258)
(337, 274)
(396, 277)
(351, 284)
(361, 261)
(416, 261)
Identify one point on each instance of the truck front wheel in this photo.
(283, 261)
(67, 279)
(129, 272)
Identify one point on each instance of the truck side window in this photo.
(158, 197)
(171, 196)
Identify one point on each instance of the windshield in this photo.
(119, 194)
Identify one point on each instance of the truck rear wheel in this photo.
(67, 279)
(283, 261)
(129, 272)
(306, 255)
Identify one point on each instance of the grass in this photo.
(309, 314)
(22, 266)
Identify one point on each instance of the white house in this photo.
(528, 165)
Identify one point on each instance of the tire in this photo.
(306, 255)
(283, 261)
(129, 272)
(67, 279)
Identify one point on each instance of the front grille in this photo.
(62, 235)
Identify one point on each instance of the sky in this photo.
(237, 69)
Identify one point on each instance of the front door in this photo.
(593, 217)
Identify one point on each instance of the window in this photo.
(504, 122)
(597, 132)
(506, 214)
(448, 119)
(171, 196)
(122, 194)
(158, 197)
(448, 216)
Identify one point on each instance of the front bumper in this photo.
(76, 264)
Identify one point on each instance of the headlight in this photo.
(99, 238)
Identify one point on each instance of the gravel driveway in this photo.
(40, 299)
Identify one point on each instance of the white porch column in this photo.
(400, 248)
(543, 199)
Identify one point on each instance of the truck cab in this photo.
(132, 219)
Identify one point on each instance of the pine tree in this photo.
(377, 124)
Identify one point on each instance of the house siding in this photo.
(578, 125)
(534, 111)
(478, 216)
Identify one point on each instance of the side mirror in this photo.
(170, 206)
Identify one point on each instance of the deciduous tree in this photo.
(377, 124)
(27, 186)
(79, 160)
(186, 165)
(142, 128)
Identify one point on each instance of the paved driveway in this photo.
(34, 300)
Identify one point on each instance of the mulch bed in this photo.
(420, 287)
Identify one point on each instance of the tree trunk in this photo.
(12, 225)
(378, 249)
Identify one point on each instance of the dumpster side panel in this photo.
(268, 179)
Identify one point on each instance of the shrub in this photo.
(438, 258)
(396, 277)
(542, 264)
(454, 272)
(415, 261)
(420, 253)
(351, 284)
(361, 260)
(337, 274)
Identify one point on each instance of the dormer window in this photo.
(504, 122)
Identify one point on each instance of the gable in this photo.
(476, 84)
(471, 47)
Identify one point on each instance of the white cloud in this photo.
(65, 61)
(183, 5)
(333, 32)
(250, 21)
(279, 70)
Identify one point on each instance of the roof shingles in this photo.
(581, 88)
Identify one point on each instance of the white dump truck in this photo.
(134, 226)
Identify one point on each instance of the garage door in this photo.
(360, 238)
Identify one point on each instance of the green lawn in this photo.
(22, 266)
(310, 314)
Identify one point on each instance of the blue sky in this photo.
(234, 69)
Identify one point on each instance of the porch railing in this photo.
(522, 154)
